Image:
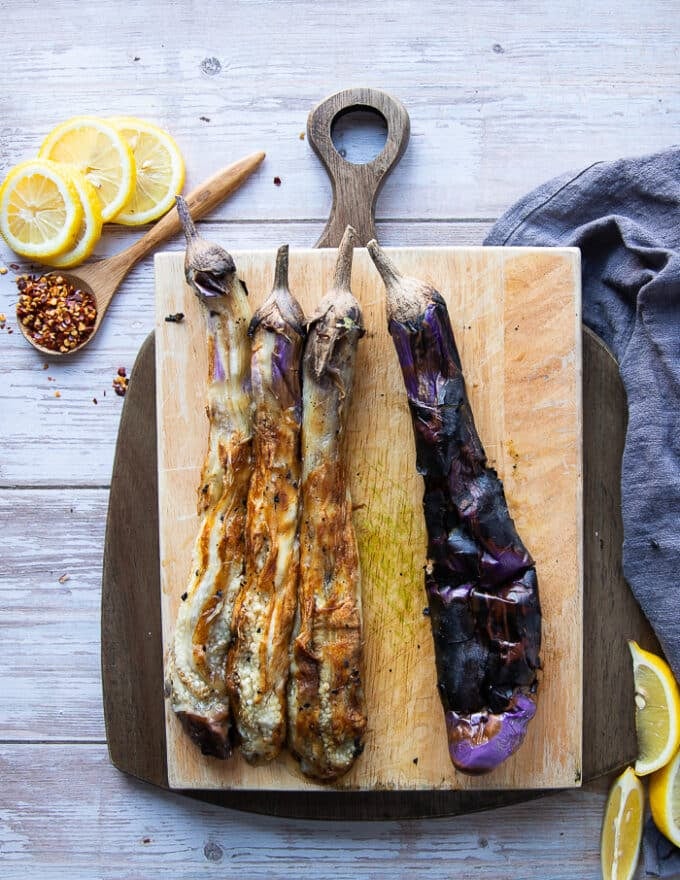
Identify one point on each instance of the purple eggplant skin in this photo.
(480, 579)
(282, 316)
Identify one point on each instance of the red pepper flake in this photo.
(46, 366)
(94, 400)
(14, 267)
(122, 372)
(277, 181)
(120, 383)
(64, 578)
(54, 313)
(177, 318)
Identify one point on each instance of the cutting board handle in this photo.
(356, 187)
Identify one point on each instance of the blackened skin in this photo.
(211, 735)
(480, 579)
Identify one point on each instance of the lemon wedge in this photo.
(90, 229)
(99, 152)
(40, 210)
(657, 710)
(622, 827)
(664, 799)
(160, 171)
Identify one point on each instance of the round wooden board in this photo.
(132, 662)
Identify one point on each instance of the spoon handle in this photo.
(201, 201)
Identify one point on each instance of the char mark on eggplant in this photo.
(480, 579)
(196, 664)
(326, 712)
(258, 661)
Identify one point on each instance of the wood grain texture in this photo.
(520, 359)
(501, 96)
(49, 629)
(106, 825)
(356, 186)
(606, 657)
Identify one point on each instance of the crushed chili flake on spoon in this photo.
(55, 313)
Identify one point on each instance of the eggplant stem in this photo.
(281, 271)
(185, 218)
(388, 271)
(343, 266)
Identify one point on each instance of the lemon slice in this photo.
(90, 229)
(622, 828)
(160, 171)
(657, 710)
(99, 152)
(664, 799)
(40, 211)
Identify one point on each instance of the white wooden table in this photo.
(501, 97)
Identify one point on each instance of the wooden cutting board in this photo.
(506, 369)
(516, 315)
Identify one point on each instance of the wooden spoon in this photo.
(103, 279)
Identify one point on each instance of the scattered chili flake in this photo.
(120, 384)
(54, 313)
(3, 270)
(184, 597)
(94, 400)
(122, 372)
(301, 135)
(204, 118)
(277, 181)
(14, 267)
(46, 366)
(177, 318)
(64, 578)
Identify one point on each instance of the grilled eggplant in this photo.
(326, 710)
(480, 579)
(196, 667)
(259, 662)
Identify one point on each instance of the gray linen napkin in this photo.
(625, 218)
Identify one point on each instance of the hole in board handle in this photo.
(359, 134)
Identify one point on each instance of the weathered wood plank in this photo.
(501, 96)
(77, 437)
(49, 642)
(95, 822)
